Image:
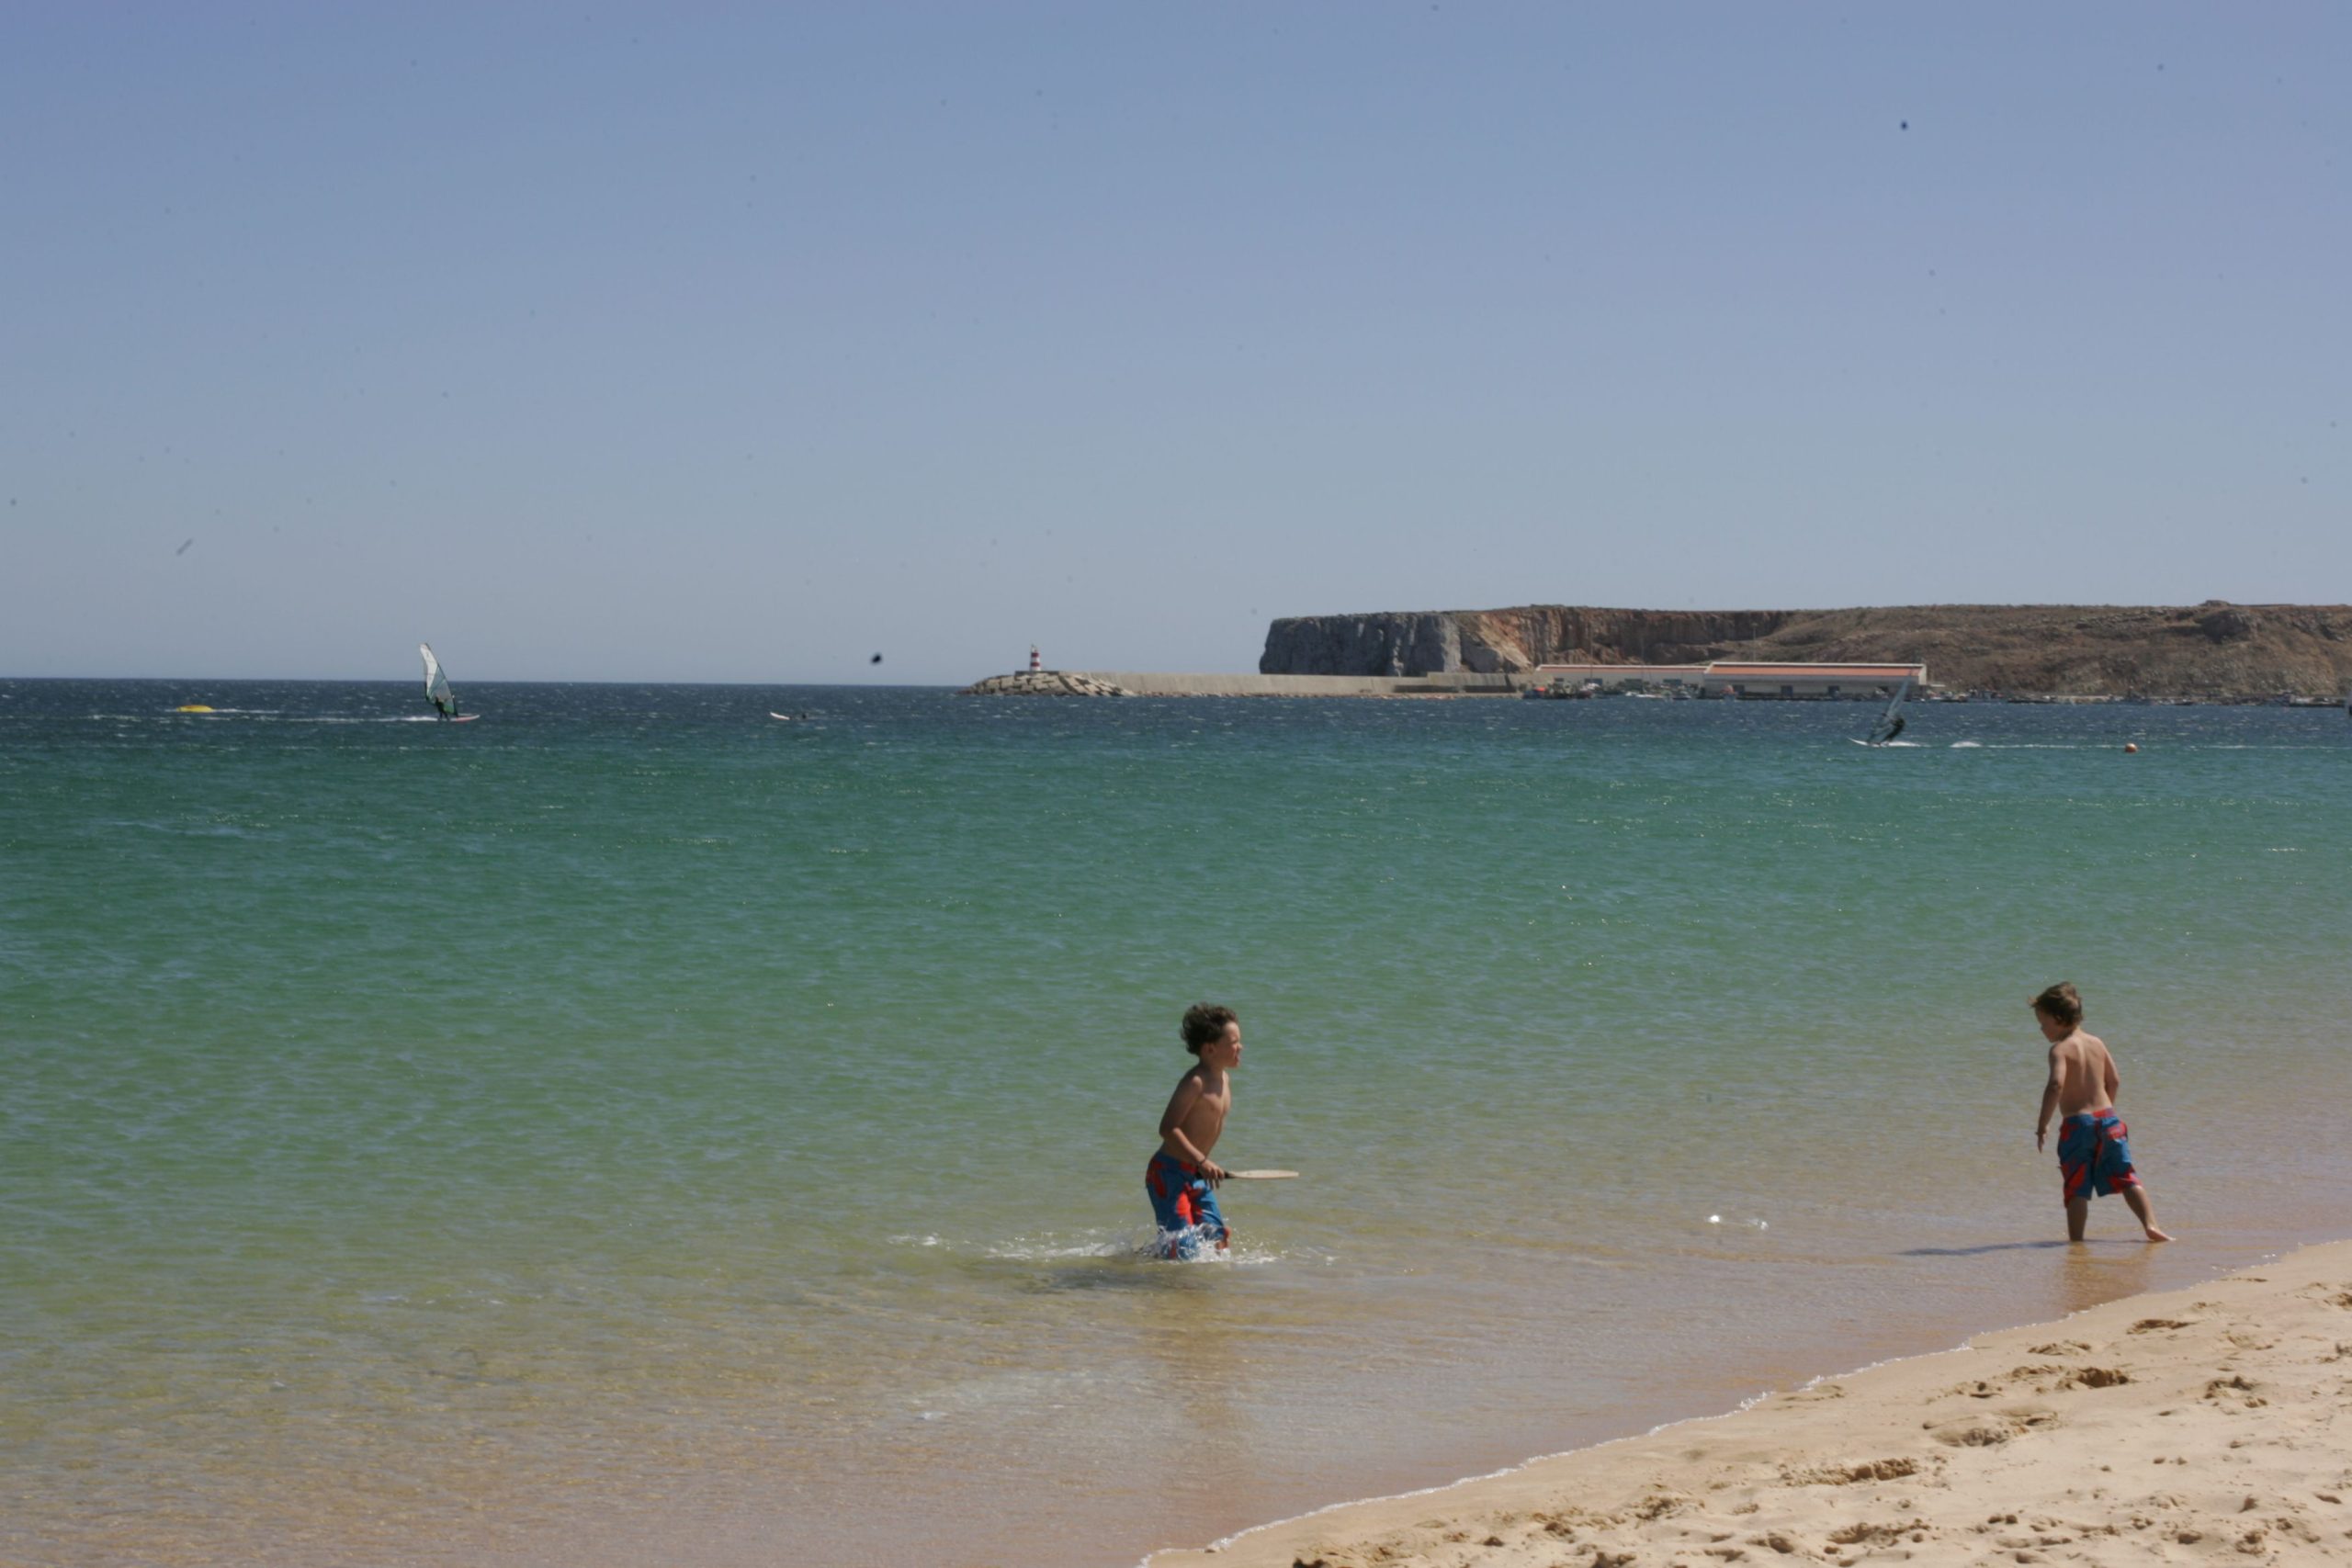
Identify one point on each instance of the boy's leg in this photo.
(2137, 1197)
(1168, 1186)
(2078, 1210)
(1185, 1207)
(1210, 1218)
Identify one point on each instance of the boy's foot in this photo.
(2155, 1234)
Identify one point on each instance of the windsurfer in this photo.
(436, 685)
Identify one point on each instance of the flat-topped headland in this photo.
(2216, 651)
(2212, 652)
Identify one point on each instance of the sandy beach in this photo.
(2197, 1424)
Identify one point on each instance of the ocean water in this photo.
(630, 1130)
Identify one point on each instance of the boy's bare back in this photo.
(2084, 1072)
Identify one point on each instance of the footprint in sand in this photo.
(2234, 1392)
(1975, 1432)
(2094, 1377)
(1864, 1534)
(1850, 1474)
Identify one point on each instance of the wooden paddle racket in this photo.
(1261, 1175)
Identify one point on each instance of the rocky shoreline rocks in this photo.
(1044, 683)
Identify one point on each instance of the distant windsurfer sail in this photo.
(1889, 723)
(436, 684)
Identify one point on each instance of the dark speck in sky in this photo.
(183, 549)
(876, 659)
(1907, 125)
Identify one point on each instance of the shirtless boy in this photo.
(1181, 1179)
(2093, 1147)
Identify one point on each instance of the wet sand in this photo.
(2199, 1425)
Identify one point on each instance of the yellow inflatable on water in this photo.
(191, 707)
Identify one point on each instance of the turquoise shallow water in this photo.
(627, 1129)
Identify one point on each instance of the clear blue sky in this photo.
(740, 343)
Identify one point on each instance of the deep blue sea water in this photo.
(630, 1129)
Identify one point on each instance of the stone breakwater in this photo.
(1044, 683)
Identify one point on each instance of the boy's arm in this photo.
(2048, 1101)
(1175, 1140)
(2114, 1079)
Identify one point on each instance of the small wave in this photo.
(1968, 745)
(184, 830)
(1094, 1246)
(1045, 1249)
(278, 714)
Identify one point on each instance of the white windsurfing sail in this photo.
(1889, 723)
(436, 684)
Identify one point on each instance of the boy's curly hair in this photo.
(1204, 1021)
(2061, 1003)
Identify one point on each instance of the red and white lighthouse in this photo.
(1036, 663)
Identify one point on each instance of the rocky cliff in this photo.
(2215, 649)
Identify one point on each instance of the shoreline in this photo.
(2191, 1423)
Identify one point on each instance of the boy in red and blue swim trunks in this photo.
(1181, 1179)
(2093, 1145)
